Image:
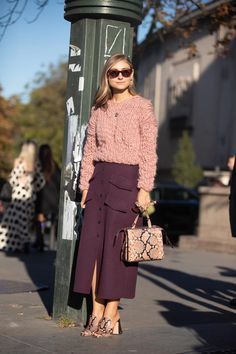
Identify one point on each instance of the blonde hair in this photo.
(104, 92)
(28, 155)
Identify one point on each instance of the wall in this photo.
(197, 94)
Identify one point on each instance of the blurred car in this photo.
(177, 208)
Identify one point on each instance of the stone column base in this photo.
(214, 228)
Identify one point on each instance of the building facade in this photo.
(196, 93)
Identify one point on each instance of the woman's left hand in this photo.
(143, 199)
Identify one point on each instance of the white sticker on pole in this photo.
(81, 84)
(69, 215)
(70, 106)
(74, 50)
(74, 67)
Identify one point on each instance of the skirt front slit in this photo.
(110, 206)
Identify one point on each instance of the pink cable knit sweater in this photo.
(125, 133)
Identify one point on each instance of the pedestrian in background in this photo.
(118, 169)
(232, 197)
(232, 203)
(230, 162)
(26, 179)
(47, 203)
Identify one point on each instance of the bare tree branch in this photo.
(159, 15)
(41, 6)
(9, 16)
(16, 9)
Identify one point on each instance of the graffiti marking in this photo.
(74, 50)
(111, 37)
(74, 67)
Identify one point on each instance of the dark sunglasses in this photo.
(114, 73)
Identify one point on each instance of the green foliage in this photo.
(185, 170)
(8, 108)
(42, 119)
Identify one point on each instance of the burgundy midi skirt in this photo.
(110, 206)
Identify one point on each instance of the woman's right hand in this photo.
(84, 196)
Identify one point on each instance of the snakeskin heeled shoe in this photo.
(105, 328)
(92, 326)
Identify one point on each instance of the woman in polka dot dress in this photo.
(26, 180)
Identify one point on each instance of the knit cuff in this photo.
(83, 186)
(146, 185)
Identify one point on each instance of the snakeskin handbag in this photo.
(142, 243)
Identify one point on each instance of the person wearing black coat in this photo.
(232, 200)
(232, 206)
(47, 203)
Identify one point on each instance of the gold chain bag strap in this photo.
(142, 243)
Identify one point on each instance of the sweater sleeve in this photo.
(87, 165)
(148, 146)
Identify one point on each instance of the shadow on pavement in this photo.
(227, 272)
(40, 267)
(194, 293)
(216, 291)
(211, 338)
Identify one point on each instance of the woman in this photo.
(117, 170)
(48, 197)
(26, 180)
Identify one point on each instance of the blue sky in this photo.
(28, 48)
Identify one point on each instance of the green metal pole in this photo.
(99, 29)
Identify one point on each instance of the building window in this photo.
(180, 92)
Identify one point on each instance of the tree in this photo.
(42, 119)
(160, 16)
(185, 170)
(15, 9)
(8, 109)
(182, 18)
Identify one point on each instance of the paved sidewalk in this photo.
(181, 307)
